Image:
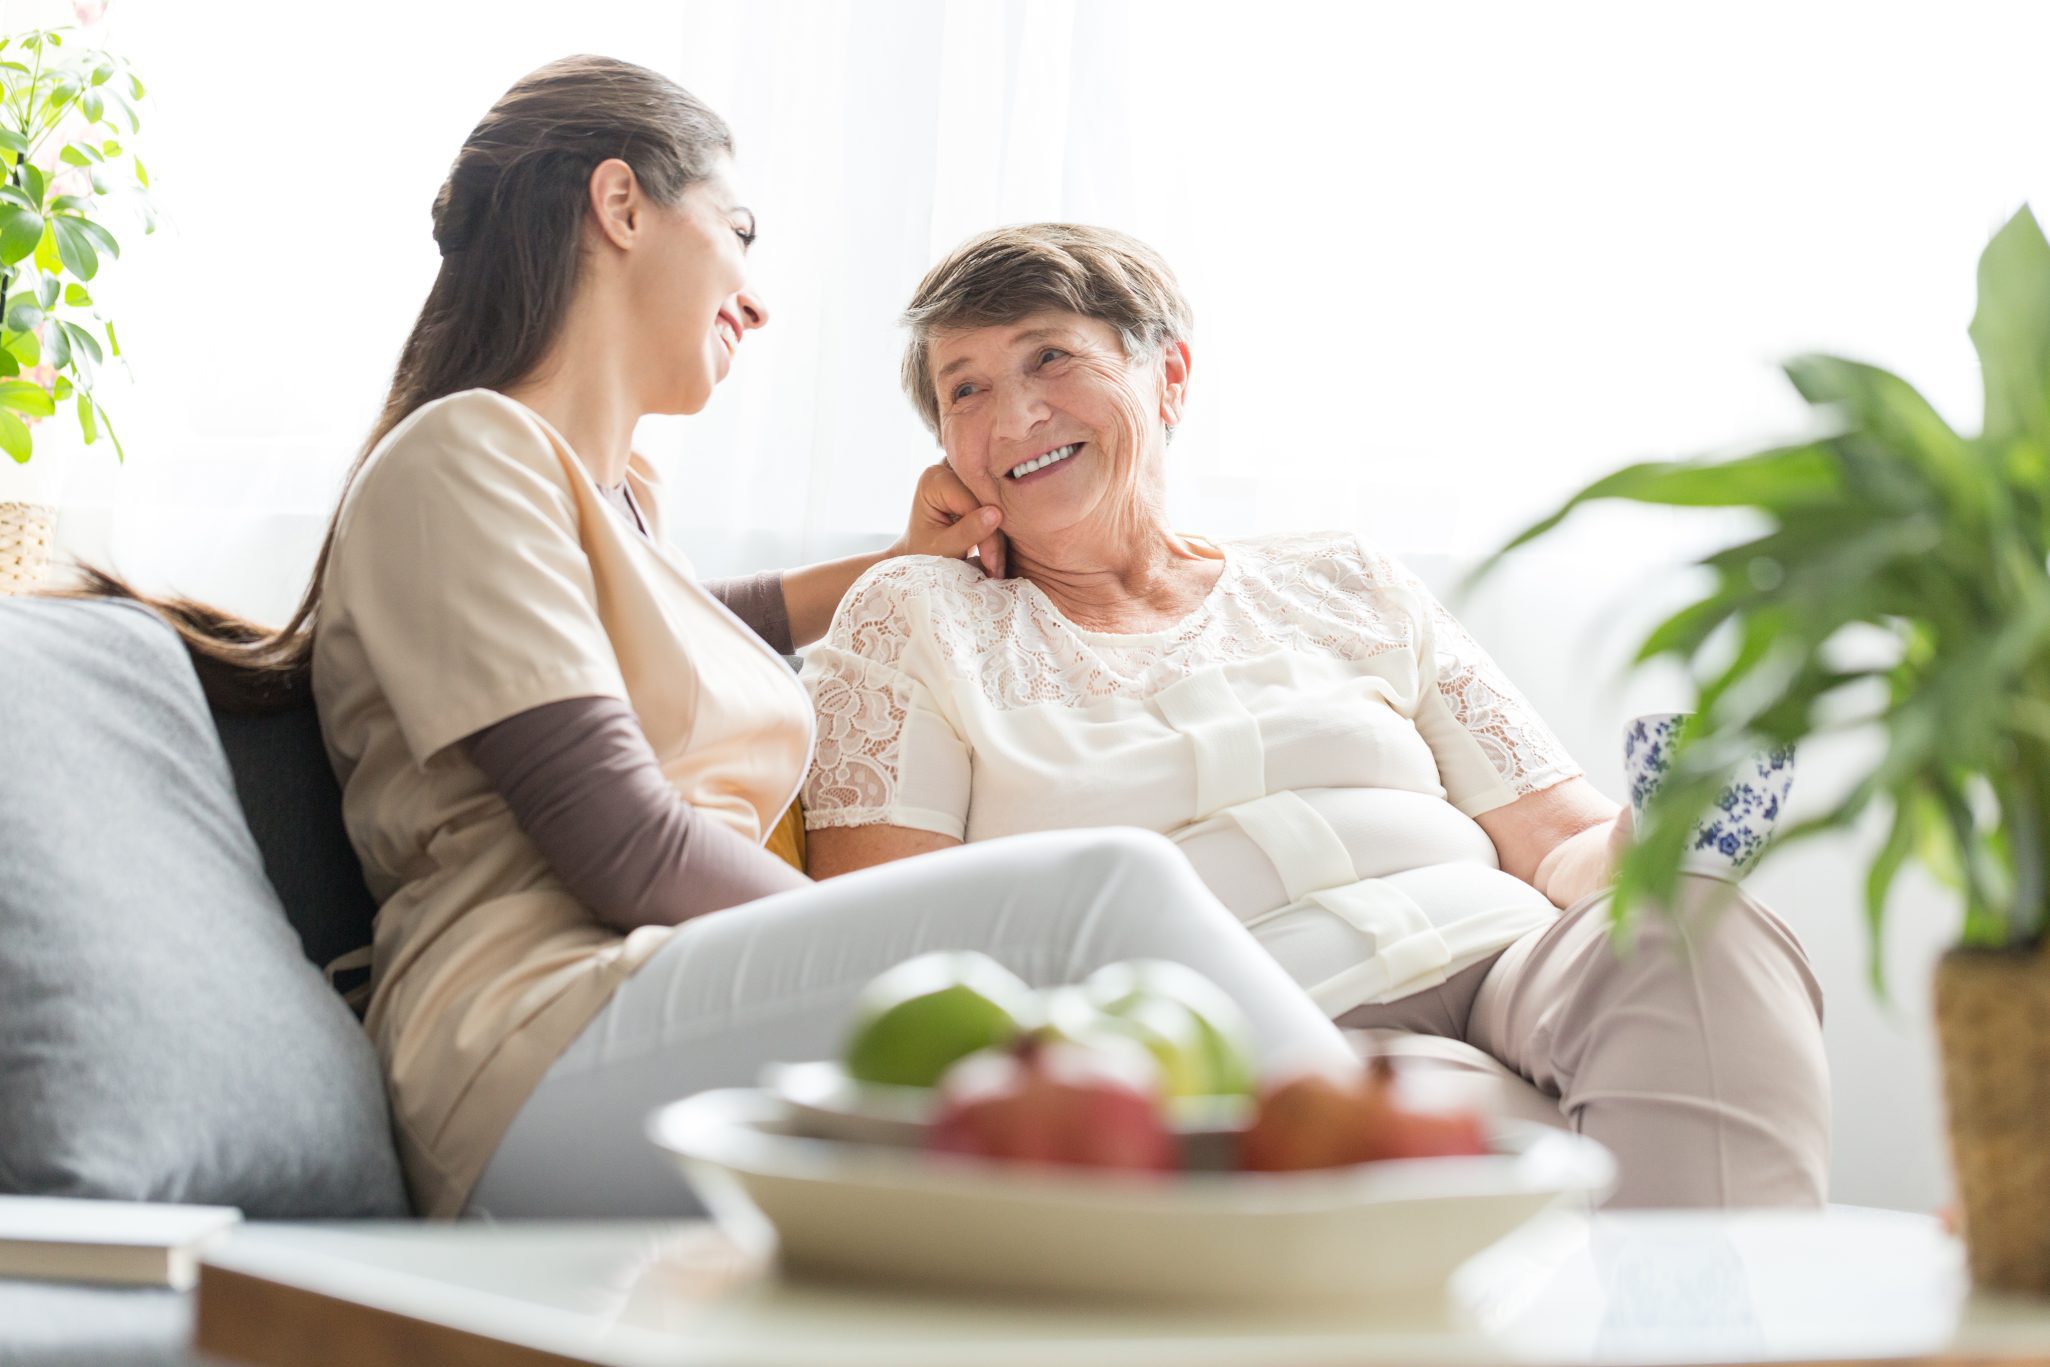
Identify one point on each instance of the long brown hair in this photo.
(508, 221)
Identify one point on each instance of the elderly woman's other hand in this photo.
(947, 520)
(1564, 840)
(1585, 863)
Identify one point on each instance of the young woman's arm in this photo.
(585, 787)
(757, 599)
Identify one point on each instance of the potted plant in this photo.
(68, 110)
(1899, 582)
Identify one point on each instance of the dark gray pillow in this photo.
(162, 1037)
(294, 809)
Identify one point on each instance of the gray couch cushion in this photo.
(294, 809)
(161, 1035)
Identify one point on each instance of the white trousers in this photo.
(775, 981)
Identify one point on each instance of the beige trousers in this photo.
(1695, 1054)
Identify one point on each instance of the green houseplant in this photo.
(67, 112)
(1899, 581)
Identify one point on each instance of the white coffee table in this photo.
(1847, 1284)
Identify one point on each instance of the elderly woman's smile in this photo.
(1045, 461)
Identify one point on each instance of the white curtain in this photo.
(1446, 261)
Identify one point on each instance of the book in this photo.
(133, 1243)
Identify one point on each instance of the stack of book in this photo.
(126, 1242)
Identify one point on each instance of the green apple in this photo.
(914, 1020)
(1132, 988)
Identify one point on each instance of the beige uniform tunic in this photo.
(476, 573)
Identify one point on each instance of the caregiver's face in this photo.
(1045, 417)
(693, 288)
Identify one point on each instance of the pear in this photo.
(1316, 1119)
(1226, 1036)
(1330, 1119)
(1163, 1038)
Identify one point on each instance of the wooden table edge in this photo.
(247, 1319)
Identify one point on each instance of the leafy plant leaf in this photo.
(20, 230)
(75, 248)
(120, 452)
(1788, 476)
(14, 438)
(86, 424)
(81, 340)
(47, 259)
(103, 239)
(22, 396)
(2011, 330)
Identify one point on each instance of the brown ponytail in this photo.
(508, 221)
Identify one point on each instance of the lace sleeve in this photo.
(886, 754)
(1494, 722)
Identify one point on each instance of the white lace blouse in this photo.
(1317, 736)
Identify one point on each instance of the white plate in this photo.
(879, 1211)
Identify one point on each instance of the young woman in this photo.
(560, 752)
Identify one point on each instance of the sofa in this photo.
(169, 881)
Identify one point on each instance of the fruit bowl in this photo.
(883, 1211)
(825, 1103)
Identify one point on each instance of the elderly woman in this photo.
(1339, 761)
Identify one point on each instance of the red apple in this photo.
(1054, 1102)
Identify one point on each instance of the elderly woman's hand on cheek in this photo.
(947, 520)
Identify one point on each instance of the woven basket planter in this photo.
(1993, 1024)
(25, 534)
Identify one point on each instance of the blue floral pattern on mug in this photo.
(1730, 839)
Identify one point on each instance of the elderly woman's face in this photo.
(1047, 419)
